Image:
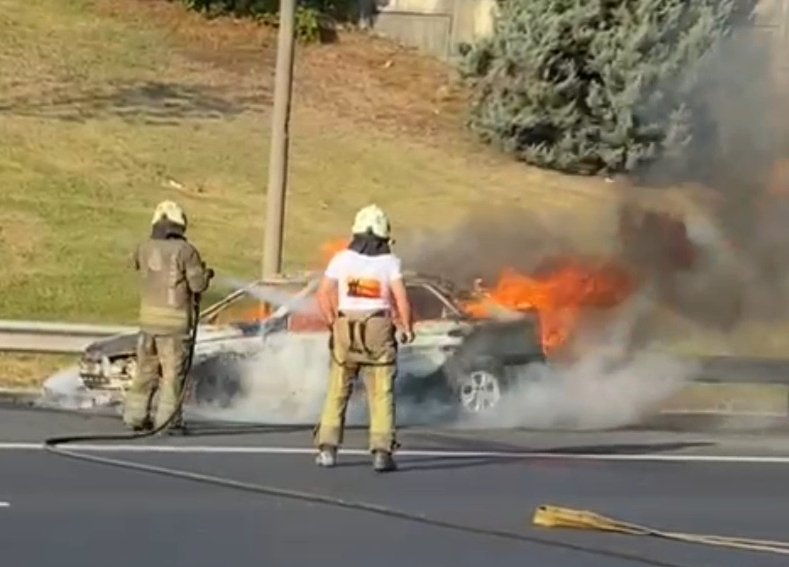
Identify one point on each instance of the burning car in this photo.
(468, 359)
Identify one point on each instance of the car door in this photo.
(432, 343)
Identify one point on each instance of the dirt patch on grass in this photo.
(150, 102)
(385, 86)
(371, 81)
(30, 371)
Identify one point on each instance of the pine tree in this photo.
(591, 86)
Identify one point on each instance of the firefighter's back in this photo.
(165, 298)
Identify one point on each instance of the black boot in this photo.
(143, 427)
(383, 461)
(178, 428)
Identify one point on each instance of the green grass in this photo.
(105, 106)
(109, 106)
(105, 112)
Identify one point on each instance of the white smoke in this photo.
(612, 382)
(285, 379)
(290, 302)
(64, 390)
(597, 392)
(283, 383)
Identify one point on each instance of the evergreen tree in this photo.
(590, 86)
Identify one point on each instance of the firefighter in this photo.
(363, 300)
(173, 275)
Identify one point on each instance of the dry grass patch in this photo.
(28, 372)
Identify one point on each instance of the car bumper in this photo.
(106, 374)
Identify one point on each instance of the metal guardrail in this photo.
(68, 338)
(741, 370)
(53, 338)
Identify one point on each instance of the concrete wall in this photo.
(435, 26)
(770, 30)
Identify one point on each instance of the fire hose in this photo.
(544, 516)
(52, 443)
(557, 517)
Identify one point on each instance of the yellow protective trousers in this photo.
(161, 365)
(362, 345)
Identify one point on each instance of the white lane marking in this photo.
(5, 504)
(253, 450)
(21, 446)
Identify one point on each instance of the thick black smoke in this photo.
(720, 263)
(486, 242)
(738, 160)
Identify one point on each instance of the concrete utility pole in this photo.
(278, 155)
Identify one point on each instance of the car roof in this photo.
(449, 291)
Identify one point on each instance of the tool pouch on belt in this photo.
(364, 339)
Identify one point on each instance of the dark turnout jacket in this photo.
(171, 273)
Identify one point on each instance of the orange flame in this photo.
(558, 297)
(259, 313)
(331, 248)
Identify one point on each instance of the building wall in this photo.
(435, 26)
(770, 31)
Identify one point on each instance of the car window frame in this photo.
(449, 310)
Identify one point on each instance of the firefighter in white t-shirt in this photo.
(363, 300)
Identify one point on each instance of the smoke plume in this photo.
(484, 243)
(284, 378)
(722, 266)
(611, 384)
(737, 161)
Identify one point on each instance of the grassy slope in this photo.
(103, 111)
(110, 106)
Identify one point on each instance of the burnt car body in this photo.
(467, 362)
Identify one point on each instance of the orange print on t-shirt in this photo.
(364, 288)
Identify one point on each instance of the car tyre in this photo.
(217, 381)
(479, 387)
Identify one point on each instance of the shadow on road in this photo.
(229, 430)
(456, 463)
(474, 444)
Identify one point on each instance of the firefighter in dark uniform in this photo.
(172, 275)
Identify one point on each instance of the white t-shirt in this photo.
(364, 281)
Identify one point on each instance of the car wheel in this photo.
(479, 389)
(217, 381)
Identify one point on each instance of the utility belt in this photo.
(356, 323)
(363, 314)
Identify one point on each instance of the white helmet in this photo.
(374, 219)
(171, 211)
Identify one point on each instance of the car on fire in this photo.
(468, 362)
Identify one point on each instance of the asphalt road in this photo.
(65, 512)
